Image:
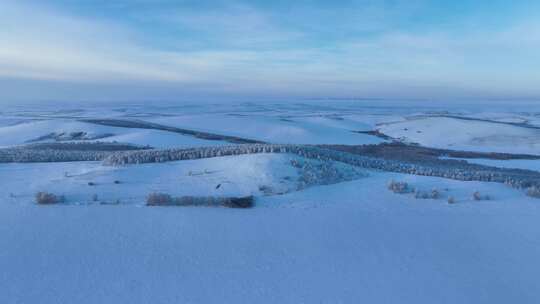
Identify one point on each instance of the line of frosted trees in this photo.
(461, 171)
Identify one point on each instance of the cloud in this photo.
(242, 50)
(42, 44)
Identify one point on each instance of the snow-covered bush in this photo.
(479, 197)
(433, 194)
(266, 190)
(239, 202)
(159, 199)
(116, 202)
(45, 198)
(210, 201)
(421, 195)
(533, 191)
(399, 187)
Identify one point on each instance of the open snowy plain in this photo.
(321, 230)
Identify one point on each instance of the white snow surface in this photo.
(22, 133)
(350, 242)
(346, 243)
(275, 129)
(457, 134)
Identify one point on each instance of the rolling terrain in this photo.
(324, 227)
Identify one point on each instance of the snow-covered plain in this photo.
(316, 129)
(469, 135)
(348, 242)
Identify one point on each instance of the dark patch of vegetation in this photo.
(238, 202)
(85, 146)
(533, 191)
(117, 202)
(515, 124)
(399, 187)
(140, 124)
(159, 199)
(67, 136)
(479, 197)
(376, 133)
(64, 152)
(45, 198)
(407, 152)
(433, 194)
(162, 199)
(423, 163)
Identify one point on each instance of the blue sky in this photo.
(144, 50)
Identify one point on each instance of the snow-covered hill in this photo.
(31, 131)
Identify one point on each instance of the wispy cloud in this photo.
(240, 49)
(43, 44)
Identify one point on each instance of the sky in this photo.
(165, 50)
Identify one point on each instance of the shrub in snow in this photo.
(117, 182)
(451, 200)
(91, 184)
(45, 198)
(399, 187)
(421, 195)
(95, 197)
(533, 191)
(478, 197)
(209, 201)
(239, 202)
(266, 190)
(158, 199)
(433, 194)
(117, 202)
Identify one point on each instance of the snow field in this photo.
(331, 244)
(22, 133)
(457, 134)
